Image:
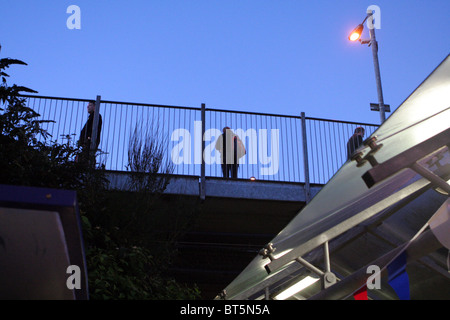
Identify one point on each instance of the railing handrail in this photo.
(110, 101)
(199, 109)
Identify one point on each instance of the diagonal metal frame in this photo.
(421, 246)
(386, 170)
(285, 265)
(379, 172)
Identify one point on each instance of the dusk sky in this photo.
(281, 57)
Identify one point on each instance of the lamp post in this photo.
(356, 35)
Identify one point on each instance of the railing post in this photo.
(93, 148)
(202, 177)
(305, 159)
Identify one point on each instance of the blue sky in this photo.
(280, 57)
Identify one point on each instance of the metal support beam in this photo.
(310, 266)
(376, 65)
(434, 179)
(94, 135)
(305, 159)
(203, 165)
(326, 257)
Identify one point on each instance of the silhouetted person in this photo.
(231, 149)
(86, 133)
(355, 141)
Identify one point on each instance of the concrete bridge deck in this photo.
(226, 188)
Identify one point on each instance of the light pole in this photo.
(356, 35)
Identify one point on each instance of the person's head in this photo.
(91, 107)
(359, 131)
(224, 130)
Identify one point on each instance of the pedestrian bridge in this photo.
(288, 156)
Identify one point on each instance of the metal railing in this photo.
(279, 147)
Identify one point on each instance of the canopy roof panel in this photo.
(395, 164)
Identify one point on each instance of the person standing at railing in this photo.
(84, 143)
(231, 150)
(355, 141)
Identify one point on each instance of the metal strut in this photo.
(429, 175)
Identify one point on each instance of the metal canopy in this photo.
(377, 202)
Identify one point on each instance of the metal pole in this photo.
(94, 133)
(374, 44)
(305, 159)
(326, 256)
(203, 178)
